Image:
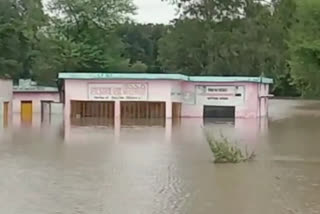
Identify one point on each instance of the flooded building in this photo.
(5, 101)
(30, 98)
(135, 96)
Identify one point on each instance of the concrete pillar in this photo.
(168, 130)
(1, 107)
(117, 130)
(117, 110)
(16, 120)
(67, 108)
(168, 109)
(1, 114)
(67, 129)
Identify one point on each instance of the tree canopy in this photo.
(274, 38)
(304, 48)
(20, 22)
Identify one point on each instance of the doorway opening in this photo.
(222, 112)
(85, 109)
(5, 114)
(26, 111)
(176, 113)
(92, 113)
(46, 111)
(143, 113)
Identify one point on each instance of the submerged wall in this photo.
(6, 88)
(249, 99)
(35, 97)
(155, 91)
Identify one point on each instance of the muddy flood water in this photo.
(160, 167)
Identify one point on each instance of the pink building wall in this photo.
(249, 109)
(158, 91)
(6, 87)
(161, 91)
(35, 97)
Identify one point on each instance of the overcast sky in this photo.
(151, 11)
(154, 11)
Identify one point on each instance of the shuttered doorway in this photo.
(219, 112)
(176, 113)
(5, 114)
(143, 113)
(92, 113)
(176, 110)
(92, 109)
(26, 111)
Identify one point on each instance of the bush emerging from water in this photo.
(225, 151)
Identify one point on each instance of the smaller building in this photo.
(5, 101)
(30, 98)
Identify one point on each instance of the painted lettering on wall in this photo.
(220, 95)
(126, 91)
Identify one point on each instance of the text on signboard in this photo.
(127, 89)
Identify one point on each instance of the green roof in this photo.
(27, 85)
(148, 76)
(35, 89)
(230, 79)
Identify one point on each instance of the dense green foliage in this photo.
(141, 44)
(238, 37)
(20, 22)
(274, 38)
(304, 48)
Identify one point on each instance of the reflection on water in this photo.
(143, 122)
(218, 121)
(94, 122)
(94, 167)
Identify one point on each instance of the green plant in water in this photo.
(225, 151)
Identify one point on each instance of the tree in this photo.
(209, 10)
(281, 23)
(139, 67)
(9, 40)
(232, 37)
(227, 38)
(209, 13)
(182, 48)
(20, 22)
(83, 34)
(141, 43)
(304, 46)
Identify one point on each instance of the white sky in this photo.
(154, 11)
(151, 11)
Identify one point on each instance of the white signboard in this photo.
(188, 97)
(180, 96)
(176, 93)
(220, 95)
(126, 91)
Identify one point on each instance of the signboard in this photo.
(125, 91)
(188, 97)
(176, 96)
(220, 95)
(176, 93)
(180, 96)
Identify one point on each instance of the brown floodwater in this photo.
(155, 167)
